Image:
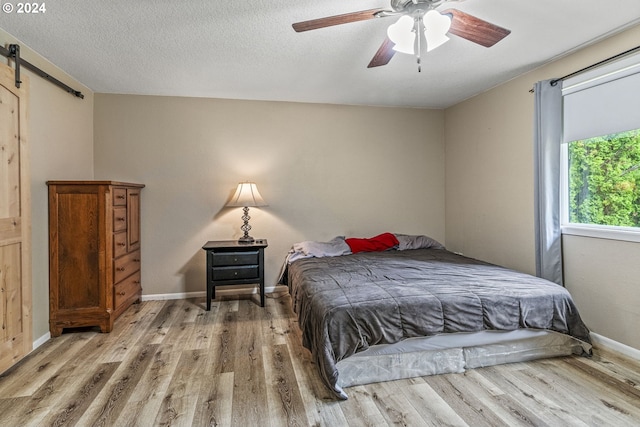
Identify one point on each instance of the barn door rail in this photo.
(13, 53)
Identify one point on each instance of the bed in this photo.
(417, 309)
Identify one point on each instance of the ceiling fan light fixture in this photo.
(435, 40)
(436, 27)
(402, 35)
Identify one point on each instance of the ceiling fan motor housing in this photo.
(401, 5)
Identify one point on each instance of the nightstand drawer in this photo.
(235, 258)
(233, 273)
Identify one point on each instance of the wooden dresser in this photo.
(94, 252)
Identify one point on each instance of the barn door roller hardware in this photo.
(13, 53)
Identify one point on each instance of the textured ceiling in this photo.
(248, 50)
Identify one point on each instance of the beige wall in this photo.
(604, 278)
(61, 147)
(325, 170)
(489, 197)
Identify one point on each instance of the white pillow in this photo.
(308, 249)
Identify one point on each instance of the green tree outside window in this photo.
(604, 180)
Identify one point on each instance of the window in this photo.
(600, 161)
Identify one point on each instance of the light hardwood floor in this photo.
(173, 363)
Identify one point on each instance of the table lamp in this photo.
(246, 196)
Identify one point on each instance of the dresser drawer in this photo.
(126, 266)
(126, 289)
(119, 196)
(235, 273)
(119, 219)
(119, 244)
(235, 258)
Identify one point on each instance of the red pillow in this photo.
(381, 242)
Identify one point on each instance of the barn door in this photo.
(15, 223)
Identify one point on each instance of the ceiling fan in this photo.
(416, 17)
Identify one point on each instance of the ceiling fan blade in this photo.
(475, 29)
(329, 21)
(383, 55)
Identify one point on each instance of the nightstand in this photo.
(232, 263)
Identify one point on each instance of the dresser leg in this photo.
(210, 289)
(55, 331)
(106, 326)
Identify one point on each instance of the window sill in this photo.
(602, 232)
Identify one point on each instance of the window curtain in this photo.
(547, 140)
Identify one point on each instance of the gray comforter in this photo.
(346, 304)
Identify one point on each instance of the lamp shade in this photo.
(246, 195)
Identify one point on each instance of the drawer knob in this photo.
(120, 268)
(235, 273)
(137, 282)
(122, 293)
(122, 244)
(120, 218)
(120, 197)
(136, 260)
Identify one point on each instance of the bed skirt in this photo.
(454, 353)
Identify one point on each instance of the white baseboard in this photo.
(43, 339)
(198, 294)
(600, 341)
(177, 295)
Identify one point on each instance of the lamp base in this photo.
(246, 239)
(246, 227)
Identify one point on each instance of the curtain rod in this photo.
(14, 53)
(592, 66)
(597, 64)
